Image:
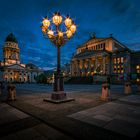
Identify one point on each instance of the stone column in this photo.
(96, 62)
(83, 67)
(72, 68)
(78, 68)
(104, 64)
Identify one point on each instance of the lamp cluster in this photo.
(58, 35)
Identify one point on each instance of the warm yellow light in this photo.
(73, 28)
(137, 67)
(46, 22)
(43, 29)
(60, 34)
(50, 33)
(57, 19)
(68, 22)
(69, 33)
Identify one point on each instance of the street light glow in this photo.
(60, 34)
(46, 22)
(68, 22)
(73, 28)
(57, 19)
(50, 33)
(69, 33)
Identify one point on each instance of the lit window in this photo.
(138, 80)
(114, 71)
(118, 60)
(121, 59)
(114, 60)
(138, 67)
(122, 71)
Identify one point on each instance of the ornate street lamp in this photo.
(52, 29)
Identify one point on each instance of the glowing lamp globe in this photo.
(43, 29)
(57, 19)
(73, 28)
(69, 33)
(60, 34)
(46, 22)
(68, 22)
(50, 33)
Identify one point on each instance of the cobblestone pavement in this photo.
(32, 118)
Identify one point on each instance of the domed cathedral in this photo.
(11, 70)
(11, 50)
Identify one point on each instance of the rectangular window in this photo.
(114, 67)
(118, 60)
(122, 71)
(138, 67)
(114, 60)
(138, 71)
(121, 59)
(114, 71)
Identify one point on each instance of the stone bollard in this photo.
(11, 92)
(127, 88)
(138, 87)
(0, 88)
(105, 92)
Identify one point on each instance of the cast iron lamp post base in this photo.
(58, 96)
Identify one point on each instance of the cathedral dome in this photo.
(11, 38)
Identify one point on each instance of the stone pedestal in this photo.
(127, 88)
(138, 87)
(58, 97)
(11, 92)
(105, 92)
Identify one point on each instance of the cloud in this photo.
(23, 18)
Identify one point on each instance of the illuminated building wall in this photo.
(11, 69)
(104, 56)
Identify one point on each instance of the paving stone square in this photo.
(29, 117)
(114, 116)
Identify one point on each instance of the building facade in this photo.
(11, 70)
(102, 57)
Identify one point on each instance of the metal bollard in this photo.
(127, 88)
(105, 92)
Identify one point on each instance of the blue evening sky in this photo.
(23, 18)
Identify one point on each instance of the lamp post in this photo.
(53, 30)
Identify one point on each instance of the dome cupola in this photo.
(11, 38)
